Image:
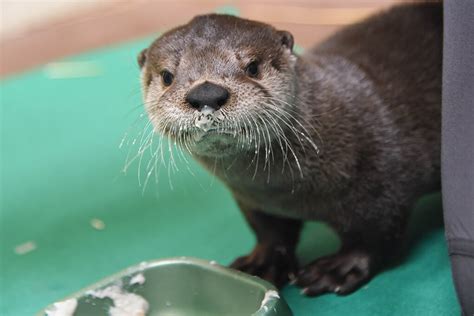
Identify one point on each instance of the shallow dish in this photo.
(175, 287)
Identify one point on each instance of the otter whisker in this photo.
(122, 142)
(279, 135)
(183, 145)
(132, 125)
(252, 135)
(298, 134)
(187, 141)
(256, 131)
(246, 137)
(265, 134)
(266, 126)
(180, 145)
(142, 150)
(249, 136)
(288, 144)
(144, 145)
(144, 138)
(293, 153)
(152, 164)
(148, 174)
(288, 122)
(298, 120)
(172, 142)
(165, 127)
(162, 159)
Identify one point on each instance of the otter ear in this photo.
(286, 39)
(141, 58)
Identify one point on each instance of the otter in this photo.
(348, 133)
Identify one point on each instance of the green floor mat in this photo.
(70, 216)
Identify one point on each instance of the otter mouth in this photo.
(214, 142)
(210, 124)
(209, 119)
(213, 134)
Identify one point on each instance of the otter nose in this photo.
(208, 94)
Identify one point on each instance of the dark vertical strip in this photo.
(458, 145)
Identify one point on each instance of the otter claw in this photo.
(273, 266)
(341, 273)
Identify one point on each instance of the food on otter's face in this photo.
(208, 118)
(347, 134)
(228, 90)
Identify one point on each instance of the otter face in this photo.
(220, 84)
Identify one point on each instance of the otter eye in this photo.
(167, 77)
(252, 69)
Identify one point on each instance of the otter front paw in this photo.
(341, 273)
(272, 263)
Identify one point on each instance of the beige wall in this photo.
(37, 31)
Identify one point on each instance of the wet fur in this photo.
(367, 101)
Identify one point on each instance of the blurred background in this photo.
(76, 200)
(34, 32)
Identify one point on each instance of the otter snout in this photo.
(207, 94)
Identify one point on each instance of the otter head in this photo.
(219, 84)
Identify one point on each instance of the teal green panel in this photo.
(228, 9)
(62, 167)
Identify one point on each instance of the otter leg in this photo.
(273, 257)
(361, 256)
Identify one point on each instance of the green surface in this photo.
(61, 167)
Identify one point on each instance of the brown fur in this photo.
(367, 102)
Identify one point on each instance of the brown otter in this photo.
(348, 133)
